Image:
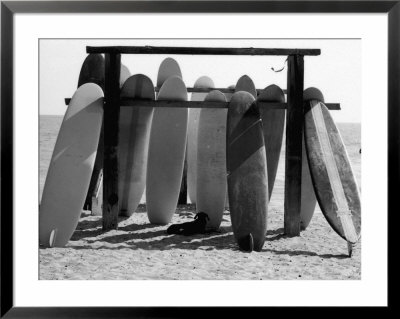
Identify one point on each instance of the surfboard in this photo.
(228, 97)
(245, 83)
(71, 166)
(124, 75)
(247, 172)
(332, 175)
(134, 134)
(308, 198)
(273, 122)
(92, 70)
(166, 153)
(193, 127)
(211, 161)
(168, 67)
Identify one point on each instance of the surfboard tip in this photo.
(246, 243)
(52, 238)
(353, 249)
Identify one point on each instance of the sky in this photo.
(336, 72)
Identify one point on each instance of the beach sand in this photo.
(140, 250)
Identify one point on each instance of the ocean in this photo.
(351, 134)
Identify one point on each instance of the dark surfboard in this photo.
(134, 134)
(247, 172)
(92, 71)
(273, 125)
(245, 83)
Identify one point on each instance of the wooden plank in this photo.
(198, 90)
(294, 131)
(126, 102)
(333, 106)
(199, 50)
(111, 119)
(180, 104)
(206, 90)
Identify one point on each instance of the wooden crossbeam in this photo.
(206, 90)
(198, 50)
(126, 102)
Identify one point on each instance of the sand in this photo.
(140, 250)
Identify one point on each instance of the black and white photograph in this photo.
(200, 159)
(171, 158)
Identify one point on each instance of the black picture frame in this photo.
(9, 8)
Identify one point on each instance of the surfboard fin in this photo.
(52, 238)
(246, 243)
(251, 242)
(350, 248)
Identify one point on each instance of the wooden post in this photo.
(110, 126)
(294, 132)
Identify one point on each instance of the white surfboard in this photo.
(170, 67)
(134, 134)
(193, 125)
(332, 175)
(308, 198)
(71, 166)
(211, 161)
(166, 153)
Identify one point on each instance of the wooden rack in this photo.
(294, 119)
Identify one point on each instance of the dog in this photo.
(198, 226)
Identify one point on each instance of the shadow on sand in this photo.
(304, 253)
(158, 239)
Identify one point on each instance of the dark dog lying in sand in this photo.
(198, 226)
